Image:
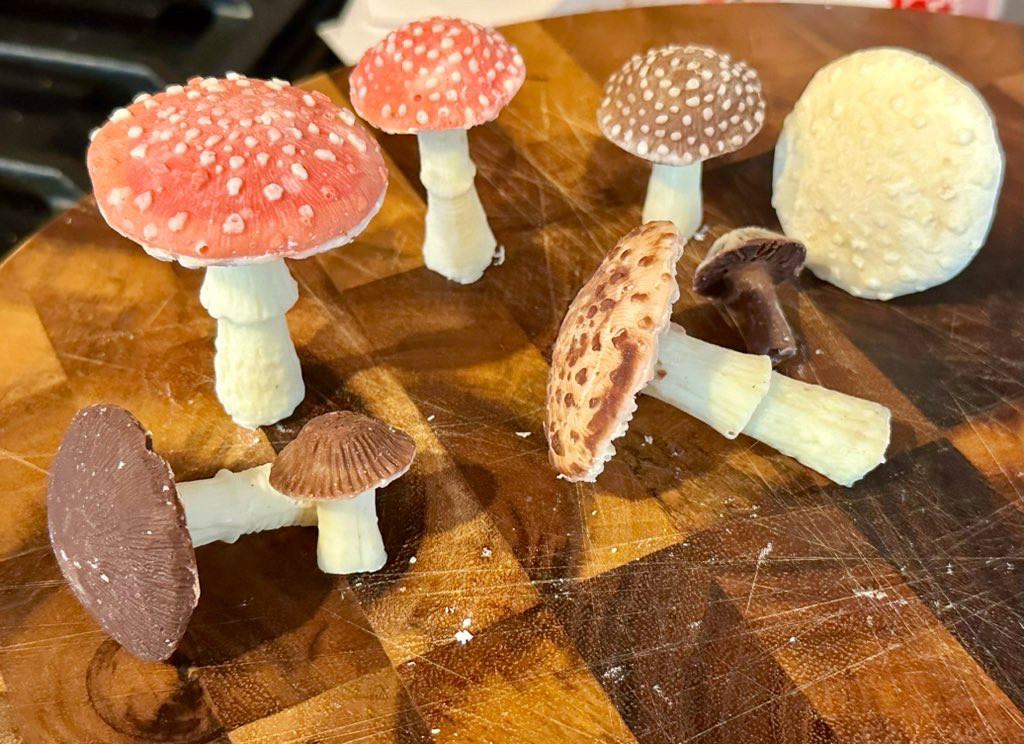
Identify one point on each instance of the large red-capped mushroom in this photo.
(436, 78)
(236, 175)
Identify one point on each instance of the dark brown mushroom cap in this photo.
(607, 348)
(118, 532)
(781, 256)
(678, 105)
(339, 455)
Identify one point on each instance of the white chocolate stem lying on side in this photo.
(230, 505)
(458, 243)
(719, 386)
(349, 539)
(673, 193)
(258, 377)
(840, 436)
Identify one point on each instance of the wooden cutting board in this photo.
(703, 590)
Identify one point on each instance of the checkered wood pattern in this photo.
(703, 590)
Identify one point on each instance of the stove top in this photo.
(66, 64)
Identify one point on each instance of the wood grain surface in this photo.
(703, 590)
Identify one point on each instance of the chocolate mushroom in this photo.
(437, 78)
(741, 271)
(678, 106)
(338, 461)
(124, 533)
(236, 175)
(617, 340)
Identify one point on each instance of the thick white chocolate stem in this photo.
(230, 505)
(458, 242)
(673, 194)
(840, 436)
(258, 377)
(719, 386)
(349, 540)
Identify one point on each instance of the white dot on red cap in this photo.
(295, 132)
(204, 121)
(180, 148)
(236, 162)
(213, 140)
(206, 157)
(687, 120)
(356, 142)
(174, 118)
(693, 101)
(709, 131)
(135, 132)
(117, 196)
(616, 129)
(149, 231)
(659, 133)
(193, 95)
(308, 100)
(675, 136)
(177, 221)
(691, 140)
(435, 96)
(707, 113)
(272, 192)
(149, 103)
(306, 212)
(484, 100)
(312, 128)
(324, 154)
(262, 158)
(234, 185)
(704, 150)
(120, 114)
(138, 152)
(402, 108)
(288, 149)
(165, 134)
(407, 65)
(273, 134)
(473, 66)
(456, 76)
(433, 54)
(299, 172)
(144, 200)
(692, 84)
(251, 141)
(234, 224)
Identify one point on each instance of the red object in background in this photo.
(935, 6)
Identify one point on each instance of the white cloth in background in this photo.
(363, 22)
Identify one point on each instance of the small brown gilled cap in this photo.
(678, 105)
(607, 348)
(118, 532)
(781, 256)
(339, 455)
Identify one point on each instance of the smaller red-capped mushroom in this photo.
(124, 532)
(236, 175)
(436, 78)
(741, 270)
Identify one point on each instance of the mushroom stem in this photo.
(230, 505)
(258, 377)
(719, 386)
(349, 540)
(753, 305)
(673, 194)
(458, 242)
(840, 436)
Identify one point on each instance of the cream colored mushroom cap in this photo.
(888, 169)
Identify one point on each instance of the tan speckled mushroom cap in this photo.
(607, 348)
(678, 105)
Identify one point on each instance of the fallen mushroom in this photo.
(678, 106)
(236, 175)
(617, 340)
(124, 533)
(436, 78)
(741, 271)
(338, 461)
(889, 170)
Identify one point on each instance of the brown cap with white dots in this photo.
(677, 105)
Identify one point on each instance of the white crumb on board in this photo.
(523, 434)
(430, 417)
(499, 256)
(872, 593)
(701, 233)
(412, 560)
(486, 552)
(463, 636)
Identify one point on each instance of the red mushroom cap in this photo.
(225, 171)
(436, 73)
